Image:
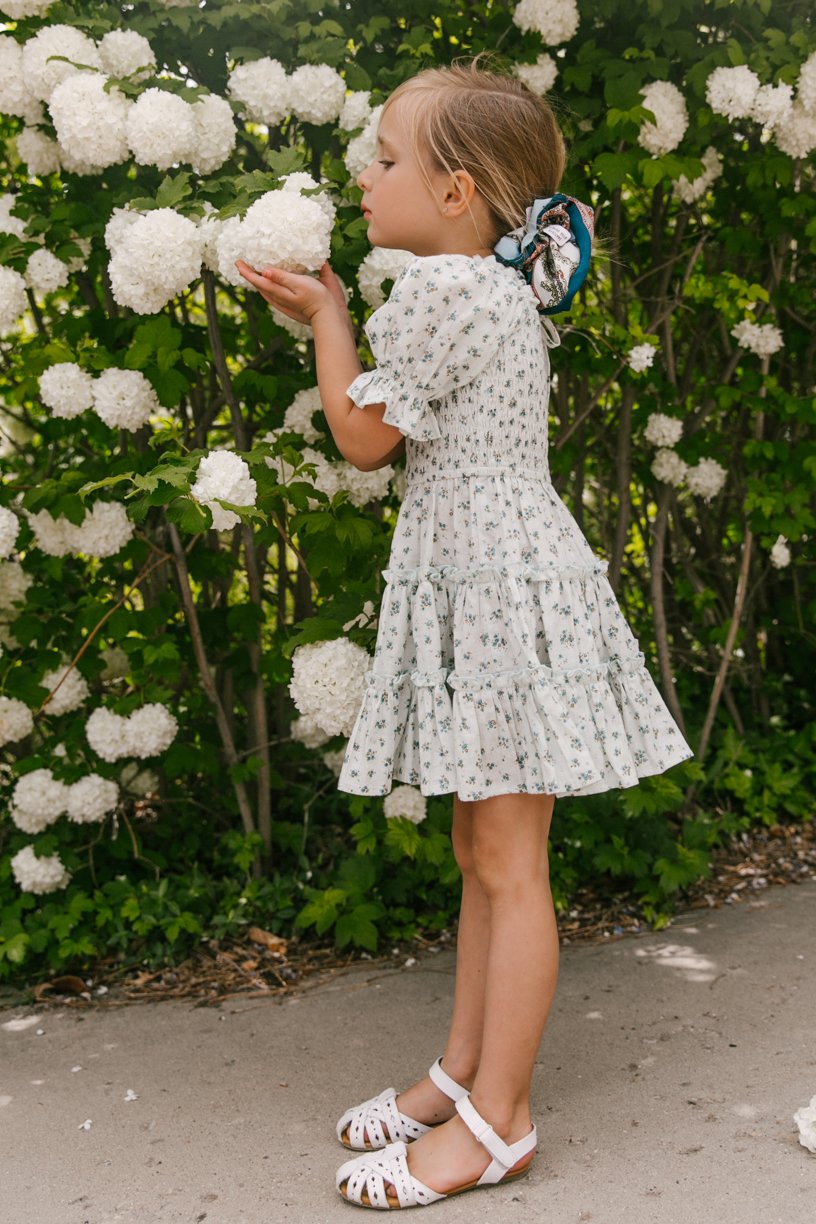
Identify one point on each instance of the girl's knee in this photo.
(462, 835)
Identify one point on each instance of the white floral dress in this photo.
(503, 662)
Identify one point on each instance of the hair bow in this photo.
(552, 249)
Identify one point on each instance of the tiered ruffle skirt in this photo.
(513, 672)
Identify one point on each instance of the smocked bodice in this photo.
(463, 368)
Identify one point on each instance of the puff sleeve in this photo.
(437, 330)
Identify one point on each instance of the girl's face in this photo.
(402, 214)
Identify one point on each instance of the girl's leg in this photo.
(423, 1100)
(510, 858)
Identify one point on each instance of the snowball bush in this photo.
(224, 475)
(405, 801)
(91, 798)
(281, 228)
(39, 875)
(66, 389)
(328, 682)
(144, 733)
(124, 399)
(153, 258)
(555, 20)
(9, 530)
(37, 801)
(91, 125)
(16, 720)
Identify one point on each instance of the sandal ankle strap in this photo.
(445, 1083)
(504, 1154)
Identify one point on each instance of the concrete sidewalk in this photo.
(664, 1091)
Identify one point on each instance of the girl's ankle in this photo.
(464, 1072)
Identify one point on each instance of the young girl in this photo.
(504, 671)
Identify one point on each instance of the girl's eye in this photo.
(386, 163)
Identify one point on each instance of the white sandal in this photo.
(370, 1173)
(379, 1111)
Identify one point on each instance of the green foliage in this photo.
(187, 861)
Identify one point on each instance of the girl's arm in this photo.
(361, 436)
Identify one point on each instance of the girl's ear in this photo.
(460, 192)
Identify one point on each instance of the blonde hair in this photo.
(489, 123)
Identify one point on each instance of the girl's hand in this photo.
(300, 297)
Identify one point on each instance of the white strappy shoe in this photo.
(380, 1111)
(370, 1173)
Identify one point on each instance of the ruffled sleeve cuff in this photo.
(405, 408)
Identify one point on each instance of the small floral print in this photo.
(503, 661)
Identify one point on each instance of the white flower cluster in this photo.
(772, 104)
(281, 228)
(328, 682)
(780, 553)
(105, 529)
(796, 135)
(144, 733)
(662, 430)
(364, 487)
(761, 338)
(731, 91)
(71, 692)
(223, 475)
(689, 191)
(45, 273)
(125, 53)
(737, 94)
(91, 125)
(333, 760)
(540, 76)
(91, 798)
(42, 73)
(163, 129)
(706, 478)
(38, 800)
(15, 98)
(154, 257)
(298, 416)
(380, 264)
(405, 801)
(669, 467)
(671, 117)
(16, 720)
(39, 875)
(304, 730)
(9, 224)
(9, 530)
(313, 92)
(16, 9)
(124, 399)
(362, 149)
(555, 20)
(805, 1119)
(98, 128)
(806, 85)
(40, 153)
(641, 356)
(14, 583)
(66, 389)
(356, 110)
(13, 300)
